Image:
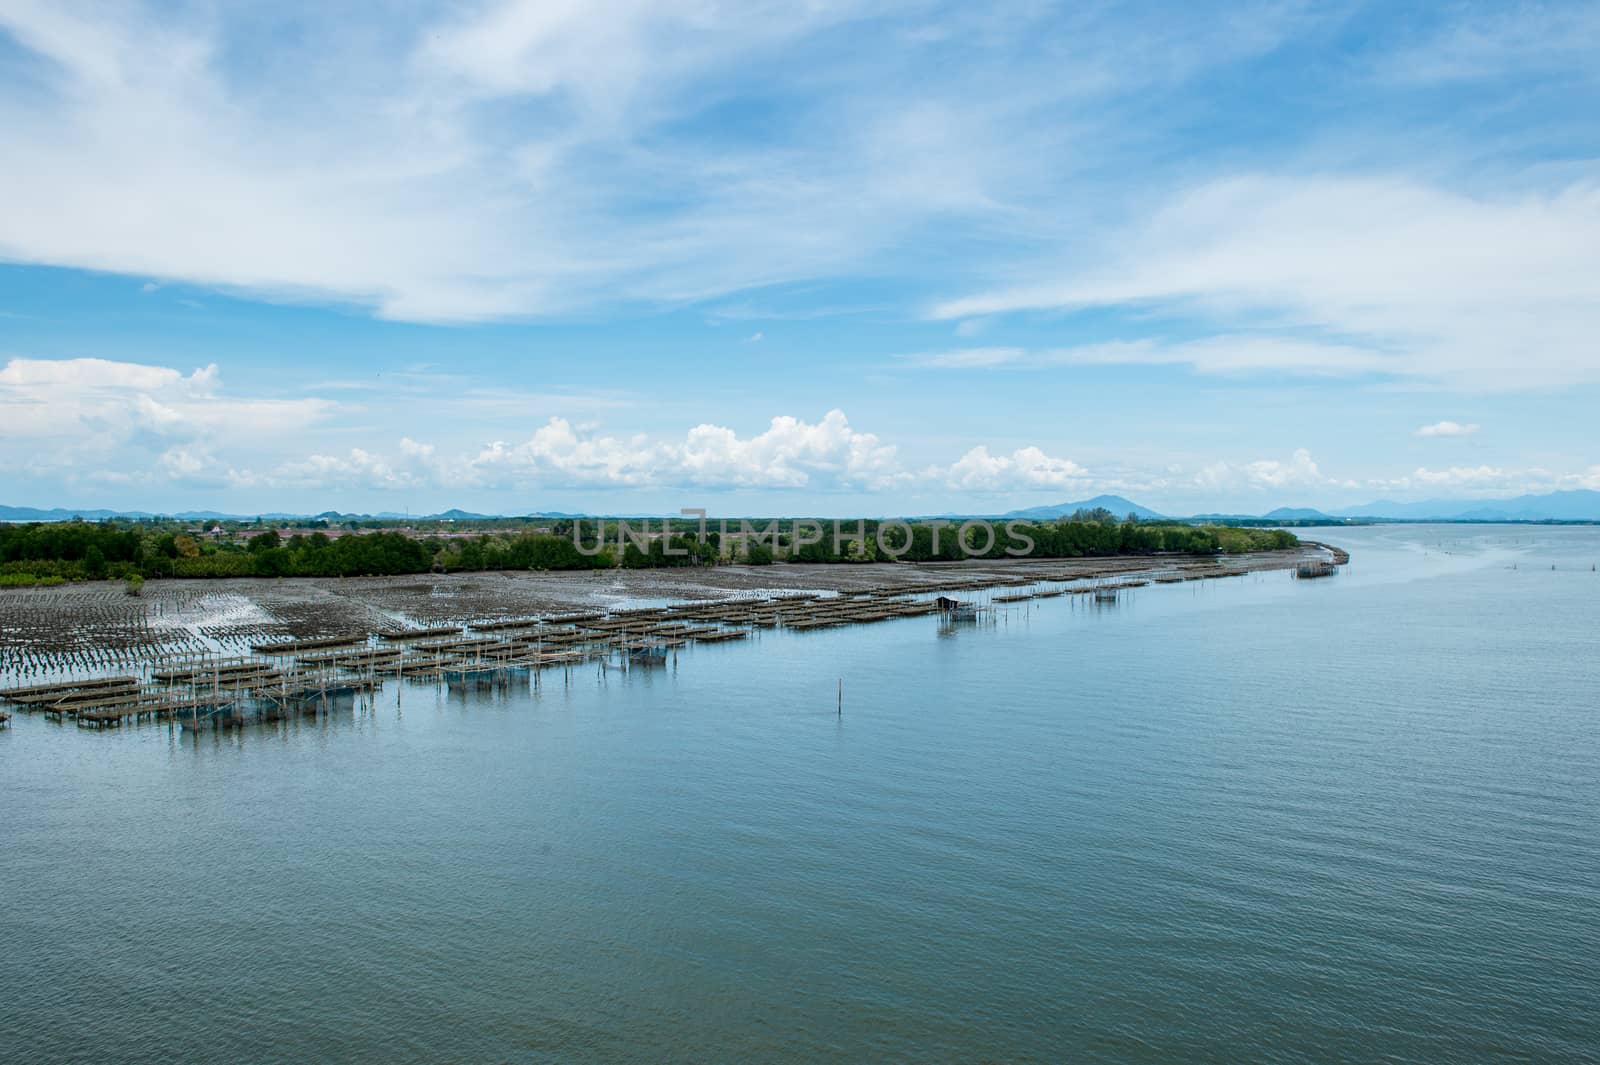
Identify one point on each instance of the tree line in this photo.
(85, 551)
(53, 552)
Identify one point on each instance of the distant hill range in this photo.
(1115, 504)
(17, 514)
(1576, 505)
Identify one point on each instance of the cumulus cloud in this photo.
(1462, 476)
(413, 449)
(791, 453)
(112, 423)
(827, 455)
(185, 463)
(1490, 480)
(1300, 470)
(1024, 468)
(130, 422)
(57, 412)
(1447, 428)
(358, 467)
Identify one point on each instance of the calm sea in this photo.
(1354, 819)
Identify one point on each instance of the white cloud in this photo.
(1447, 428)
(1510, 40)
(358, 467)
(501, 163)
(968, 358)
(790, 454)
(184, 463)
(1025, 468)
(119, 424)
(1488, 481)
(1299, 471)
(1418, 280)
(513, 158)
(1462, 476)
(1227, 354)
(73, 376)
(55, 413)
(414, 450)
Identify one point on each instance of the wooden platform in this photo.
(407, 635)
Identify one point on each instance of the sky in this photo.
(828, 258)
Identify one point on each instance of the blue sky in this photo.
(830, 258)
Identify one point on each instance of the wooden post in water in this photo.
(841, 696)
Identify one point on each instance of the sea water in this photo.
(1347, 819)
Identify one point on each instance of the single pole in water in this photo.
(841, 696)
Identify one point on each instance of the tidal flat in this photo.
(95, 627)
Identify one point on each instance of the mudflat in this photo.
(97, 625)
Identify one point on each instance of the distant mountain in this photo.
(1576, 505)
(62, 514)
(19, 514)
(1296, 514)
(1115, 504)
(25, 514)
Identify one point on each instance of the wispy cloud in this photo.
(1465, 290)
(967, 358)
(520, 158)
(1501, 40)
(1237, 354)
